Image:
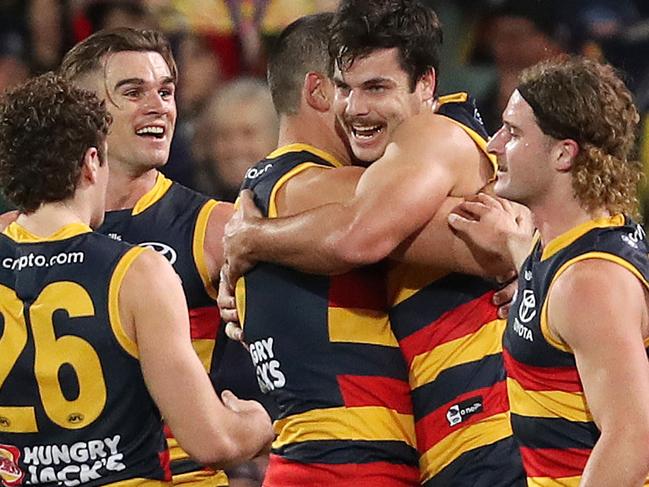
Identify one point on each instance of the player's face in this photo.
(373, 97)
(523, 151)
(139, 94)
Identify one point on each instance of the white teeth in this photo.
(150, 130)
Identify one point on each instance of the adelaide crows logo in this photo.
(163, 249)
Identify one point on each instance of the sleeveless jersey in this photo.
(172, 219)
(323, 349)
(549, 411)
(451, 338)
(74, 408)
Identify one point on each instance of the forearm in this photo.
(325, 240)
(619, 460)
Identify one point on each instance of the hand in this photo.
(226, 302)
(237, 247)
(494, 225)
(256, 415)
(504, 296)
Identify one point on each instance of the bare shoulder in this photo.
(318, 186)
(591, 295)
(7, 218)
(148, 272)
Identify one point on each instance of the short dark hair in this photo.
(302, 47)
(363, 26)
(46, 126)
(586, 101)
(88, 55)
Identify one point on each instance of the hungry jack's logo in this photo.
(10, 473)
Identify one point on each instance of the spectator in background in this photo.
(517, 34)
(238, 128)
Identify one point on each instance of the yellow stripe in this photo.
(113, 300)
(549, 482)
(565, 239)
(139, 482)
(404, 281)
(481, 142)
(161, 186)
(204, 348)
(486, 432)
(198, 247)
(351, 325)
(240, 300)
(547, 404)
(368, 423)
(304, 147)
(272, 207)
(556, 342)
(201, 478)
(20, 234)
(459, 97)
(486, 341)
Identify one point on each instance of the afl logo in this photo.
(527, 308)
(163, 249)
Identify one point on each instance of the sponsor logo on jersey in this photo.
(462, 411)
(254, 172)
(163, 249)
(10, 473)
(269, 374)
(632, 239)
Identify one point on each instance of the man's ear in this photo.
(565, 153)
(318, 91)
(90, 165)
(426, 84)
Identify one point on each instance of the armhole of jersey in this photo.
(545, 327)
(240, 300)
(113, 301)
(198, 247)
(272, 206)
(482, 145)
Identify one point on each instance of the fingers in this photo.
(460, 223)
(233, 331)
(506, 294)
(503, 311)
(247, 204)
(230, 400)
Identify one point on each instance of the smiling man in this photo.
(135, 72)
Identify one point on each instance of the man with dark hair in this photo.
(95, 334)
(429, 149)
(328, 358)
(576, 341)
(136, 73)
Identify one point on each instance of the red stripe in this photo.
(163, 457)
(434, 427)
(456, 323)
(360, 390)
(284, 473)
(204, 322)
(363, 288)
(554, 463)
(532, 378)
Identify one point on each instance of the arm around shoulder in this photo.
(152, 306)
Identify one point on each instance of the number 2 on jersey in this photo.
(50, 354)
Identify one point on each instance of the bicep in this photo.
(599, 309)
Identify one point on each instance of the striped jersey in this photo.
(549, 411)
(172, 220)
(74, 407)
(451, 338)
(324, 350)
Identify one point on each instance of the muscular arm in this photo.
(153, 310)
(213, 245)
(600, 310)
(395, 197)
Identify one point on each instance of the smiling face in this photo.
(139, 92)
(373, 97)
(524, 152)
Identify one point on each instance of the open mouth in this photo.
(366, 132)
(153, 131)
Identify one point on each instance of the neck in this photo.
(49, 217)
(553, 220)
(315, 130)
(126, 188)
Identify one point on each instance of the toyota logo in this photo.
(527, 308)
(163, 249)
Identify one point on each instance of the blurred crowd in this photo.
(226, 119)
